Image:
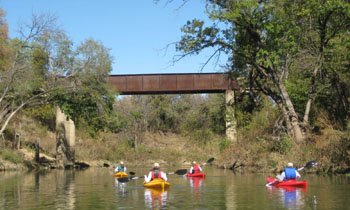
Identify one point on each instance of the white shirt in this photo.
(149, 177)
(116, 169)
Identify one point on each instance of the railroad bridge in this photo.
(141, 84)
(138, 84)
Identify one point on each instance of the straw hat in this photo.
(156, 165)
(290, 164)
(121, 162)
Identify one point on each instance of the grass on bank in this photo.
(10, 155)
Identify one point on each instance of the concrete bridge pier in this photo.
(231, 123)
(65, 140)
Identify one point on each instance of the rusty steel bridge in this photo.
(136, 84)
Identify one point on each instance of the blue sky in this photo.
(136, 31)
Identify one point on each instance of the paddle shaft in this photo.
(126, 179)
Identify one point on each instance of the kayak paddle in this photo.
(209, 161)
(179, 172)
(126, 179)
(309, 164)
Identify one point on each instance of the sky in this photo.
(136, 31)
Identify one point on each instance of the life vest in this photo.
(156, 174)
(290, 173)
(196, 169)
(120, 168)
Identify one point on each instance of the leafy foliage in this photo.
(282, 48)
(45, 71)
(198, 116)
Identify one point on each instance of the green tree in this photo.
(4, 45)
(91, 99)
(325, 25)
(266, 40)
(45, 69)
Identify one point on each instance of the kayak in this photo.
(288, 183)
(199, 175)
(157, 183)
(120, 174)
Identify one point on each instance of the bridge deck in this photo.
(172, 83)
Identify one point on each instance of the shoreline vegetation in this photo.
(170, 150)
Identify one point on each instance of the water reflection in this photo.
(291, 197)
(196, 185)
(97, 189)
(156, 198)
(66, 197)
(120, 187)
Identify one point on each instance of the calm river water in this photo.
(221, 189)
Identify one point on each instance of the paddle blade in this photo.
(123, 179)
(181, 172)
(210, 160)
(132, 173)
(310, 164)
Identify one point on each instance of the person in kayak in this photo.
(155, 173)
(289, 173)
(195, 168)
(120, 167)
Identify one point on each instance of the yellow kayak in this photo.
(120, 174)
(157, 183)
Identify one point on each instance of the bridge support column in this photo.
(231, 123)
(65, 140)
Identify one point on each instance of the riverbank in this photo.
(247, 155)
(23, 160)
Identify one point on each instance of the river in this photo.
(221, 189)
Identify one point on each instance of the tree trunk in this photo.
(312, 89)
(4, 125)
(286, 118)
(292, 115)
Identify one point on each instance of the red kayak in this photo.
(199, 175)
(289, 183)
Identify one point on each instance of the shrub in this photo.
(10, 156)
(283, 144)
(224, 143)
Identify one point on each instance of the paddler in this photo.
(155, 173)
(120, 167)
(195, 168)
(289, 173)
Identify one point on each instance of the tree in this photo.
(19, 84)
(4, 45)
(325, 26)
(91, 99)
(44, 68)
(265, 41)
